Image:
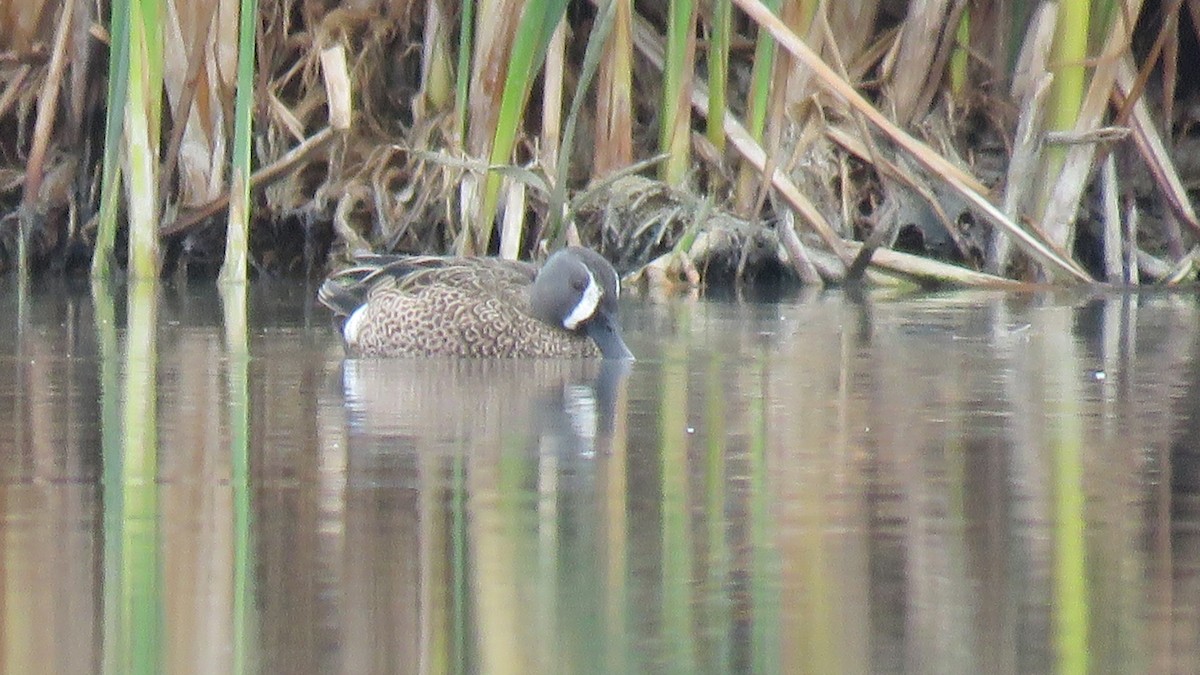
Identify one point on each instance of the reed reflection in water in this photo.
(952, 483)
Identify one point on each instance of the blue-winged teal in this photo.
(443, 306)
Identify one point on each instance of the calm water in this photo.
(952, 483)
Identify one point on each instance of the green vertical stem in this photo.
(675, 138)
(1066, 97)
(757, 99)
(764, 572)
(458, 554)
(112, 454)
(436, 568)
(592, 57)
(1066, 441)
(140, 579)
(1070, 56)
(118, 88)
(676, 542)
(233, 305)
(462, 79)
(528, 53)
(500, 571)
(760, 79)
(616, 549)
(718, 71)
(715, 504)
(1070, 568)
(142, 124)
(960, 59)
(238, 229)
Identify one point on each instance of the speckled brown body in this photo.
(442, 320)
(468, 307)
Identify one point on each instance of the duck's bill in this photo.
(607, 335)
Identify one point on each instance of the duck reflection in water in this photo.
(484, 406)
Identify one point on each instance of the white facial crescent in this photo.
(586, 306)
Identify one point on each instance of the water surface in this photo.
(937, 483)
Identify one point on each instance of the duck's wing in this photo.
(346, 290)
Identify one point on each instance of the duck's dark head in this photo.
(578, 290)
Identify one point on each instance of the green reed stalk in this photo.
(719, 564)
(237, 235)
(1070, 54)
(462, 78)
(112, 461)
(1067, 442)
(110, 178)
(1067, 90)
(459, 562)
(677, 592)
(143, 122)
(528, 52)
(1067, 59)
(141, 645)
(592, 57)
(760, 78)
(761, 75)
(675, 136)
(718, 71)
(237, 348)
(765, 635)
(960, 59)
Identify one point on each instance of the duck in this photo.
(392, 305)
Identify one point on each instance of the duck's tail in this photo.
(347, 290)
(341, 298)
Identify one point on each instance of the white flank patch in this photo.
(587, 305)
(354, 325)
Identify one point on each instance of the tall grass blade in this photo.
(760, 78)
(677, 598)
(143, 122)
(960, 58)
(110, 178)
(112, 461)
(675, 137)
(237, 346)
(764, 561)
(761, 74)
(1066, 186)
(237, 237)
(528, 51)
(1066, 442)
(462, 77)
(1066, 96)
(717, 60)
(140, 575)
(601, 29)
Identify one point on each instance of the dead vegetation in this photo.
(941, 142)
